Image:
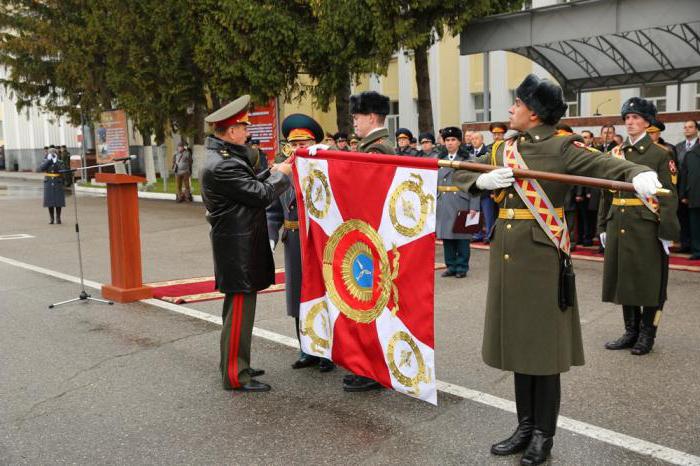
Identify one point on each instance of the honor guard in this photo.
(530, 274)
(637, 232)
(299, 131)
(235, 199)
(54, 181)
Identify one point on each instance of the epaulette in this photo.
(561, 132)
(664, 148)
(494, 149)
(224, 153)
(581, 145)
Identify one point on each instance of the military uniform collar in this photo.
(537, 134)
(641, 146)
(226, 149)
(374, 136)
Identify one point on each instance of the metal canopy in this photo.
(599, 44)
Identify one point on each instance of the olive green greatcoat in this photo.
(376, 142)
(632, 273)
(525, 331)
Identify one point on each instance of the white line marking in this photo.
(601, 434)
(17, 236)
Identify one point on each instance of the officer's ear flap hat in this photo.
(543, 97)
(369, 102)
(452, 132)
(641, 107)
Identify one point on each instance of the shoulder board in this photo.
(666, 149)
(561, 132)
(494, 149)
(581, 145)
(224, 153)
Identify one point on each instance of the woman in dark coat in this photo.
(54, 195)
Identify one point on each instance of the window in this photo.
(478, 100)
(572, 102)
(656, 94)
(697, 95)
(392, 119)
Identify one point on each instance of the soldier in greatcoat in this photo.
(532, 324)
(300, 131)
(637, 233)
(450, 201)
(54, 182)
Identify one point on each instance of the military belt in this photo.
(291, 225)
(52, 175)
(627, 202)
(447, 189)
(523, 214)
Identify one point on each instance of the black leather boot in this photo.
(631, 315)
(647, 333)
(546, 409)
(523, 403)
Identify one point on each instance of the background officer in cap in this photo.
(450, 201)
(235, 199)
(637, 233)
(654, 130)
(489, 209)
(428, 147)
(528, 329)
(300, 131)
(341, 141)
(403, 142)
(54, 194)
(354, 142)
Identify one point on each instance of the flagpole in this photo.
(419, 162)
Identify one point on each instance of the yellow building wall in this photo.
(598, 98)
(449, 81)
(362, 84)
(390, 82)
(327, 120)
(476, 73)
(518, 68)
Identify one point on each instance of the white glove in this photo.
(272, 245)
(495, 179)
(667, 245)
(646, 183)
(603, 236)
(316, 147)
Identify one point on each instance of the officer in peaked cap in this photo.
(403, 142)
(655, 129)
(235, 199)
(428, 147)
(498, 131)
(341, 141)
(530, 275)
(300, 131)
(637, 232)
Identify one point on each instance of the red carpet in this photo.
(590, 253)
(192, 290)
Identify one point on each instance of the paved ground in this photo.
(93, 384)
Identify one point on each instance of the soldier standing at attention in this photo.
(637, 232)
(532, 324)
(300, 131)
(450, 200)
(235, 199)
(54, 195)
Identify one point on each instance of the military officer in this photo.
(530, 275)
(341, 141)
(637, 232)
(489, 209)
(403, 142)
(428, 147)
(354, 142)
(300, 131)
(655, 129)
(451, 200)
(54, 181)
(235, 199)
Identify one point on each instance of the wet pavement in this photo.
(136, 384)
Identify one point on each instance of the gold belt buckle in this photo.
(510, 213)
(622, 202)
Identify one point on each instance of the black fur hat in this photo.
(543, 97)
(641, 107)
(452, 132)
(369, 102)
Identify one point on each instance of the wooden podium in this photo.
(124, 238)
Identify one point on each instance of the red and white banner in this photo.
(367, 226)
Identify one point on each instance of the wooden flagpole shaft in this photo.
(558, 177)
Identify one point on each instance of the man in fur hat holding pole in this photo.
(532, 325)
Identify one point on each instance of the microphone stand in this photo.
(84, 296)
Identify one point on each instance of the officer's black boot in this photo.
(51, 215)
(524, 404)
(58, 215)
(647, 332)
(546, 409)
(631, 315)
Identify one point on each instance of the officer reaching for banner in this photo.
(235, 199)
(532, 324)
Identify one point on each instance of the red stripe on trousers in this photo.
(234, 339)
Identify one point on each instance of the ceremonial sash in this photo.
(651, 202)
(537, 201)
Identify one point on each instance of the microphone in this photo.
(123, 159)
(597, 113)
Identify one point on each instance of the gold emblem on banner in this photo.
(318, 343)
(409, 355)
(357, 272)
(427, 205)
(317, 192)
